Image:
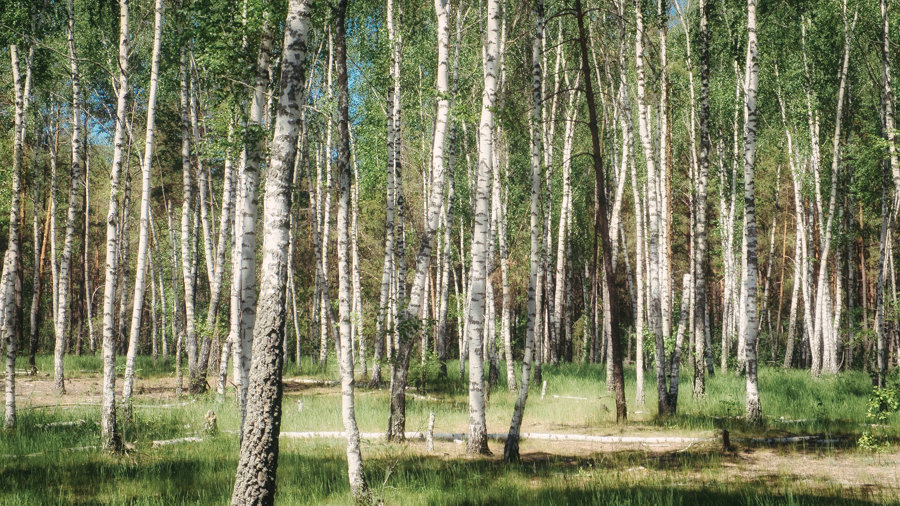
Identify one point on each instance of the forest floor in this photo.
(52, 456)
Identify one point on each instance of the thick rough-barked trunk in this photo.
(753, 411)
(109, 434)
(8, 316)
(61, 322)
(400, 370)
(511, 448)
(144, 234)
(354, 458)
(477, 442)
(251, 157)
(258, 462)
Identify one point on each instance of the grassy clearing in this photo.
(43, 464)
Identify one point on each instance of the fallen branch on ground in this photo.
(166, 442)
(312, 381)
(61, 424)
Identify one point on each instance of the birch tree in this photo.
(400, 369)
(110, 438)
(753, 410)
(511, 448)
(251, 157)
(601, 225)
(258, 461)
(891, 165)
(699, 237)
(477, 440)
(345, 172)
(144, 234)
(61, 288)
(8, 316)
(382, 336)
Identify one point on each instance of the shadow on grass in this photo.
(315, 473)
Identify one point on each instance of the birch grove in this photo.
(459, 198)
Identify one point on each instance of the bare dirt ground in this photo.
(38, 391)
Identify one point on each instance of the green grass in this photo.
(49, 465)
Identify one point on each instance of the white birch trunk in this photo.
(109, 434)
(400, 371)
(753, 410)
(251, 157)
(8, 317)
(144, 234)
(62, 284)
(477, 441)
(257, 465)
(511, 448)
(344, 238)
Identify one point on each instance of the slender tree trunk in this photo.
(699, 238)
(8, 314)
(61, 322)
(324, 195)
(792, 318)
(563, 235)
(144, 234)
(753, 411)
(39, 256)
(122, 290)
(887, 98)
(400, 368)
(357, 307)
(89, 293)
(393, 114)
(154, 337)
(601, 227)
(251, 157)
(477, 441)
(640, 251)
(187, 259)
(258, 462)
(345, 237)
(823, 293)
(224, 233)
(656, 287)
(511, 448)
(109, 434)
(663, 181)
